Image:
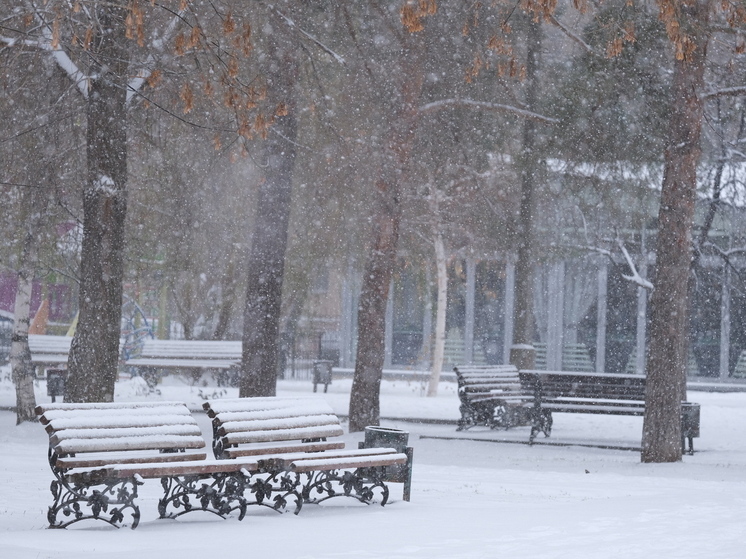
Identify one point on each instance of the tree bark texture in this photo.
(666, 361)
(94, 353)
(266, 268)
(522, 352)
(379, 267)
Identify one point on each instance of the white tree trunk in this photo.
(20, 354)
(440, 314)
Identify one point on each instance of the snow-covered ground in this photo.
(470, 498)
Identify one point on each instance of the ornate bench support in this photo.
(104, 499)
(220, 494)
(275, 490)
(359, 484)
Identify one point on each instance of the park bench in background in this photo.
(190, 356)
(48, 351)
(492, 395)
(599, 393)
(101, 453)
(297, 440)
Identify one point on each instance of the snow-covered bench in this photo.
(101, 453)
(49, 351)
(297, 440)
(492, 395)
(189, 356)
(599, 393)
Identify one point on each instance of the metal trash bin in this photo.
(56, 383)
(386, 437)
(689, 425)
(322, 374)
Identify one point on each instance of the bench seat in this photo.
(294, 436)
(100, 453)
(183, 363)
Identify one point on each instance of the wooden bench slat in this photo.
(274, 448)
(285, 434)
(93, 460)
(117, 421)
(347, 463)
(283, 459)
(152, 432)
(278, 423)
(265, 408)
(175, 363)
(157, 470)
(71, 446)
(50, 412)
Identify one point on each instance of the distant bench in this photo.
(49, 351)
(187, 354)
(297, 440)
(609, 394)
(493, 396)
(208, 354)
(501, 396)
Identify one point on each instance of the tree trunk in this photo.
(440, 314)
(379, 267)
(522, 352)
(20, 355)
(266, 267)
(227, 300)
(94, 353)
(669, 328)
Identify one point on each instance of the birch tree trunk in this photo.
(440, 313)
(20, 354)
(669, 309)
(261, 329)
(94, 352)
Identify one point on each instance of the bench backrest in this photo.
(558, 384)
(194, 349)
(477, 379)
(257, 426)
(90, 435)
(49, 344)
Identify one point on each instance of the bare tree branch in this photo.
(484, 106)
(561, 26)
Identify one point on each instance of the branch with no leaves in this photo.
(484, 106)
(726, 256)
(290, 23)
(136, 83)
(562, 27)
(635, 277)
(725, 92)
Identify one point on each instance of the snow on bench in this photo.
(199, 354)
(301, 436)
(100, 453)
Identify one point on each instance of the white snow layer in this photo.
(470, 498)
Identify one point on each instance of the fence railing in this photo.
(301, 349)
